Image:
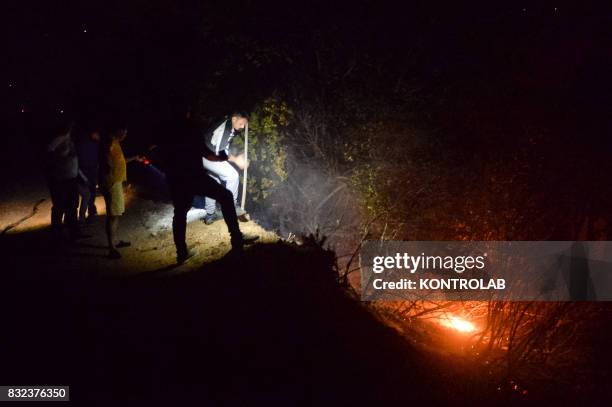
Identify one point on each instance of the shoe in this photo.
(240, 211)
(245, 238)
(114, 254)
(182, 258)
(211, 218)
(248, 238)
(122, 244)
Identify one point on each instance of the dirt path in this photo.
(146, 224)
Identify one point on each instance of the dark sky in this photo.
(138, 55)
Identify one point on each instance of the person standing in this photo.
(113, 173)
(217, 160)
(182, 162)
(61, 172)
(88, 151)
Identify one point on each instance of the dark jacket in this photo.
(218, 139)
(180, 156)
(87, 151)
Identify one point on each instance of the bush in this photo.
(267, 152)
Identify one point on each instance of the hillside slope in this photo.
(270, 326)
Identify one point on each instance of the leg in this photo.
(85, 198)
(199, 202)
(232, 180)
(209, 203)
(226, 174)
(71, 207)
(56, 212)
(111, 231)
(213, 189)
(182, 198)
(114, 209)
(91, 205)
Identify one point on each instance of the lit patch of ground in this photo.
(146, 224)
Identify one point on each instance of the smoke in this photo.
(312, 202)
(309, 201)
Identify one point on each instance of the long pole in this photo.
(246, 164)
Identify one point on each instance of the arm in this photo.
(83, 177)
(56, 142)
(135, 158)
(238, 160)
(212, 157)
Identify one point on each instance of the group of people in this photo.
(196, 162)
(75, 166)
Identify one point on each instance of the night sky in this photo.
(133, 54)
(140, 62)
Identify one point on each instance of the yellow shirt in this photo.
(116, 164)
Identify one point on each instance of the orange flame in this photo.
(456, 323)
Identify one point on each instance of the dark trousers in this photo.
(64, 200)
(87, 191)
(183, 190)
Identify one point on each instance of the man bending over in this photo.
(217, 161)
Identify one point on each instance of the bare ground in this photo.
(146, 224)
